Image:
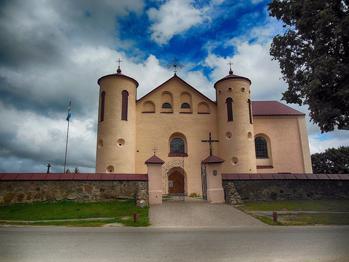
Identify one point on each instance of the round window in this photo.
(234, 161)
(228, 135)
(121, 142)
(110, 169)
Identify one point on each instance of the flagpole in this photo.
(66, 147)
(66, 142)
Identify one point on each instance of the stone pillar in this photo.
(215, 192)
(154, 180)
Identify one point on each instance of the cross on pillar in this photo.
(210, 141)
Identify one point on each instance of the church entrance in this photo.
(176, 183)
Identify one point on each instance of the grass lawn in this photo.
(297, 205)
(323, 207)
(120, 211)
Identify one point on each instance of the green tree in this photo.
(332, 161)
(313, 54)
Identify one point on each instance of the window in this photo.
(203, 108)
(250, 110)
(177, 146)
(101, 117)
(148, 107)
(166, 105)
(229, 102)
(185, 105)
(261, 147)
(124, 107)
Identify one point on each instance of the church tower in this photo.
(235, 124)
(116, 136)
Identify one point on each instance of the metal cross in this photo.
(155, 149)
(175, 65)
(210, 141)
(119, 70)
(230, 64)
(119, 61)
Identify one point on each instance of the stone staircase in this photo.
(177, 198)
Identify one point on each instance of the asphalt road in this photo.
(165, 244)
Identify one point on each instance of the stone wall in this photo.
(22, 191)
(281, 189)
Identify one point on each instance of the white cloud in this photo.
(319, 143)
(173, 17)
(42, 139)
(252, 60)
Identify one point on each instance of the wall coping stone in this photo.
(283, 176)
(72, 176)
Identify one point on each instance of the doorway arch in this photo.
(176, 181)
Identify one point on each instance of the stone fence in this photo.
(84, 187)
(258, 187)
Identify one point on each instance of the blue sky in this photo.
(54, 51)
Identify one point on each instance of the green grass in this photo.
(321, 218)
(307, 219)
(118, 211)
(90, 223)
(297, 205)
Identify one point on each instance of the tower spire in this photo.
(119, 69)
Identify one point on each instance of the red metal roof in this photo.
(276, 176)
(154, 160)
(71, 176)
(212, 160)
(232, 76)
(273, 108)
(118, 75)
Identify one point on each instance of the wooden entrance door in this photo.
(176, 183)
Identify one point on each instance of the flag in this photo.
(69, 111)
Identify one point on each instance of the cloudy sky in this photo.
(54, 51)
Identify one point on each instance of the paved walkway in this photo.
(199, 214)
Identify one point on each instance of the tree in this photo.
(313, 54)
(332, 161)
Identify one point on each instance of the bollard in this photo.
(135, 217)
(275, 217)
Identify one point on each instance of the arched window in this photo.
(229, 102)
(185, 105)
(124, 108)
(101, 117)
(166, 105)
(177, 146)
(261, 147)
(148, 107)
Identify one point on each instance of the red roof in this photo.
(72, 176)
(212, 160)
(273, 108)
(232, 76)
(154, 160)
(118, 75)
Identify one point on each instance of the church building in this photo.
(186, 130)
